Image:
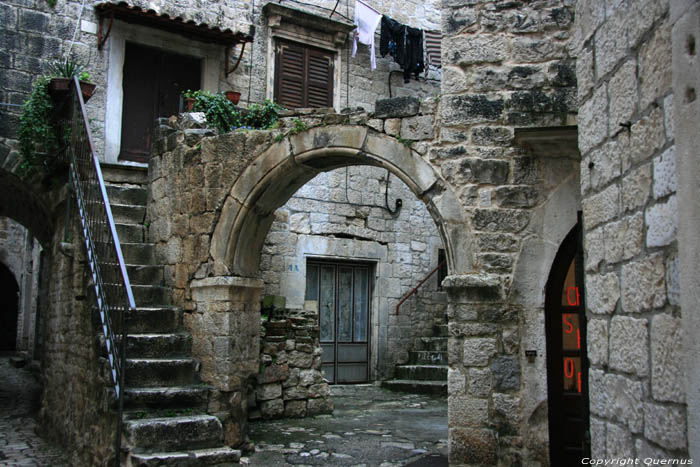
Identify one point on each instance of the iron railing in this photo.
(415, 289)
(113, 297)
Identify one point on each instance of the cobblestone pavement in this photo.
(19, 403)
(370, 426)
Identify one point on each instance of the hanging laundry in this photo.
(432, 47)
(367, 19)
(405, 44)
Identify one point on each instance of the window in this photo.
(304, 76)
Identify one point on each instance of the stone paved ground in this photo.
(370, 426)
(19, 403)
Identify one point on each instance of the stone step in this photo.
(118, 173)
(427, 357)
(158, 345)
(150, 295)
(434, 343)
(131, 194)
(422, 372)
(138, 253)
(145, 274)
(159, 398)
(173, 433)
(127, 214)
(157, 372)
(223, 456)
(131, 233)
(417, 387)
(154, 320)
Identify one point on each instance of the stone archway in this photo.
(275, 175)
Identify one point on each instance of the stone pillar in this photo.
(484, 375)
(225, 328)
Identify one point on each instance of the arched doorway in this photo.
(9, 301)
(567, 367)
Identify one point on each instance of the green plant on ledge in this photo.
(225, 117)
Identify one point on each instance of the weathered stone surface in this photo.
(506, 372)
(665, 425)
(492, 136)
(508, 406)
(661, 220)
(456, 381)
(472, 108)
(598, 435)
(593, 120)
(517, 196)
(585, 72)
(319, 406)
(478, 350)
(629, 345)
(598, 341)
(601, 207)
(665, 173)
(618, 442)
(604, 164)
(602, 292)
(667, 359)
(295, 409)
(480, 382)
(272, 408)
(473, 446)
(624, 239)
(269, 391)
(392, 126)
(623, 95)
(655, 65)
(468, 50)
(648, 136)
(594, 246)
(636, 188)
(505, 220)
(643, 284)
(396, 107)
(611, 43)
(300, 359)
(273, 373)
(417, 128)
(466, 410)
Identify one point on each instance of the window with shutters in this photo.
(303, 76)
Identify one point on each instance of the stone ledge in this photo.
(474, 287)
(227, 281)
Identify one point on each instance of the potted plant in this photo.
(62, 72)
(233, 96)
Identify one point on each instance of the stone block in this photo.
(508, 406)
(665, 425)
(470, 50)
(673, 285)
(593, 120)
(269, 391)
(623, 95)
(590, 14)
(665, 173)
(601, 207)
(471, 108)
(417, 128)
(642, 15)
(624, 239)
(506, 372)
(476, 446)
(480, 382)
(319, 406)
(528, 49)
(459, 19)
(629, 345)
(594, 247)
(376, 124)
(585, 72)
(517, 196)
(597, 438)
(643, 284)
(610, 43)
(272, 408)
(647, 137)
(492, 136)
(392, 126)
(636, 188)
(295, 409)
(456, 381)
(295, 393)
(478, 350)
(466, 411)
(624, 398)
(661, 220)
(597, 341)
(396, 107)
(500, 220)
(618, 442)
(273, 374)
(655, 65)
(667, 371)
(319, 390)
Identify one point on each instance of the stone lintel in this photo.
(476, 287)
(227, 281)
(560, 141)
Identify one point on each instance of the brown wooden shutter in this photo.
(304, 76)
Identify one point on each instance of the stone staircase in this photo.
(165, 405)
(426, 370)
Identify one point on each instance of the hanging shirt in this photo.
(367, 21)
(414, 54)
(405, 44)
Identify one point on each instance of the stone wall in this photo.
(630, 209)
(290, 382)
(342, 215)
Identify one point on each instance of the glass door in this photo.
(342, 291)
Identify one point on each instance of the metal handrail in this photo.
(113, 296)
(415, 289)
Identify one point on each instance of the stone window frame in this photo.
(284, 24)
(123, 32)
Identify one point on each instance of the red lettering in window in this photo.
(568, 326)
(572, 297)
(578, 338)
(579, 381)
(568, 368)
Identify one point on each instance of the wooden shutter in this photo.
(304, 76)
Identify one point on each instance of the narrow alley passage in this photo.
(370, 427)
(19, 404)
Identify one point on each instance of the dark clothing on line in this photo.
(404, 44)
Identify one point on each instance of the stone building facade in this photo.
(546, 109)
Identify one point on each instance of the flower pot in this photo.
(60, 87)
(233, 96)
(189, 104)
(87, 90)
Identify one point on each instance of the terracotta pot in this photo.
(60, 87)
(233, 96)
(189, 104)
(87, 90)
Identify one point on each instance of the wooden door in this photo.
(153, 81)
(567, 363)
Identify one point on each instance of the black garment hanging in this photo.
(405, 44)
